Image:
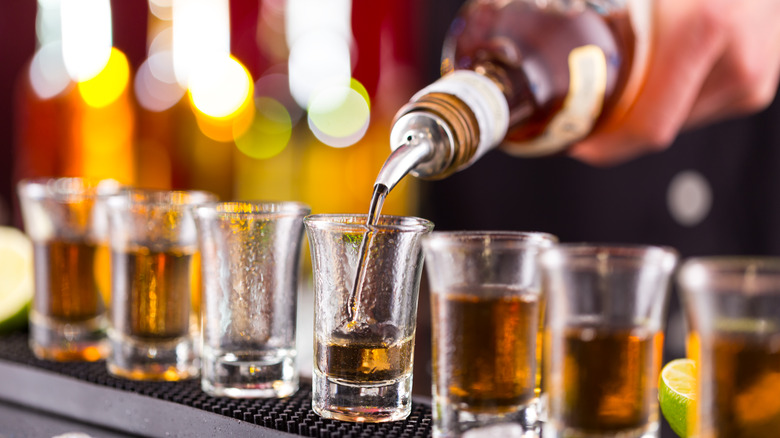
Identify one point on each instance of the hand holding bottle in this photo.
(711, 60)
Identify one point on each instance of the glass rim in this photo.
(65, 188)
(599, 253)
(735, 275)
(341, 222)
(159, 197)
(489, 239)
(256, 208)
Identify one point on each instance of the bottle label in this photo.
(583, 104)
(485, 100)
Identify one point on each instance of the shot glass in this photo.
(250, 255)
(65, 218)
(604, 338)
(733, 310)
(155, 275)
(364, 335)
(486, 306)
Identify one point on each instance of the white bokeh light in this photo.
(48, 76)
(201, 30)
(318, 60)
(152, 90)
(220, 86)
(86, 37)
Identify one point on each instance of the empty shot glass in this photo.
(250, 256)
(155, 276)
(65, 219)
(732, 306)
(604, 338)
(364, 335)
(486, 304)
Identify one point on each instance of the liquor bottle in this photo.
(531, 76)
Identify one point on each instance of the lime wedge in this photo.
(677, 395)
(16, 278)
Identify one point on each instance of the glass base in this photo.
(650, 430)
(256, 374)
(450, 422)
(146, 360)
(79, 341)
(370, 402)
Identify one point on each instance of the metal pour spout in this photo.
(402, 161)
(422, 145)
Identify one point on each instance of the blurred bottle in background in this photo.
(240, 100)
(74, 113)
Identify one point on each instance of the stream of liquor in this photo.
(374, 210)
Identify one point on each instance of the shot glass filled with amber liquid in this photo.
(156, 289)
(604, 338)
(486, 310)
(366, 285)
(732, 306)
(65, 218)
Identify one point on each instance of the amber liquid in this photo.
(526, 49)
(484, 349)
(153, 293)
(609, 378)
(746, 388)
(69, 279)
(356, 360)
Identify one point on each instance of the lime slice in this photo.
(16, 278)
(676, 394)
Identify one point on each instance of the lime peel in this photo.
(16, 278)
(677, 395)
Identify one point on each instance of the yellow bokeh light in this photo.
(270, 131)
(361, 90)
(339, 116)
(109, 84)
(226, 129)
(220, 87)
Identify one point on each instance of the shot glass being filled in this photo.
(364, 335)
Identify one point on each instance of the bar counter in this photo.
(84, 397)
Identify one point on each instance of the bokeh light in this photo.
(305, 17)
(318, 60)
(156, 92)
(161, 9)
(48, 76)
(277, 87)
(86, 37)
(220, 87)
(201, 31)
(109, 84)
(270, 131)
(339, 117)
(225, 129)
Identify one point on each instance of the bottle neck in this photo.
(457, 119)
(443, 124)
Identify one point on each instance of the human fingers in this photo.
(745, 78)
(688, 38)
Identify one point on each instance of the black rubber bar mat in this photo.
(86, 392)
